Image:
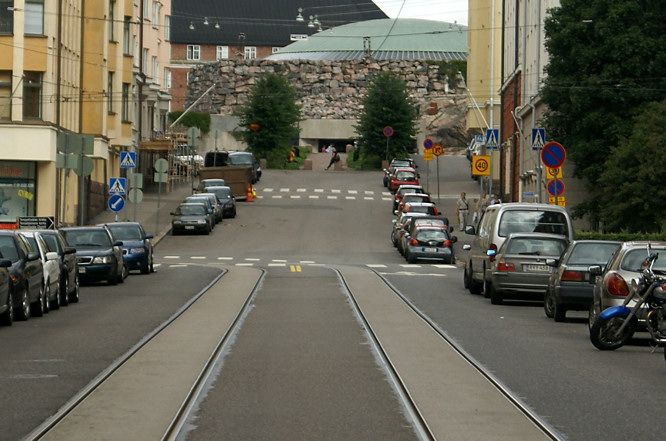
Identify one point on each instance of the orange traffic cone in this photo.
(249, 193)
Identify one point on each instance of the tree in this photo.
(387, 103)
(269, 120)
(632, 180)
(606, 62)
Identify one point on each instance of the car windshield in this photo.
(633, 260)
(536, 246)
(415, 198)
(201, 200)
(221, 193)
(126, 232)
(432, 234)
(429, 222)
(428, 209)
(591, 253)
(8, 249)
(533, 221)
(211, 183)
(405, 176)
(89, 238)
(191, 210)
(240, 159)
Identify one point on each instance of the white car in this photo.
(51, 263)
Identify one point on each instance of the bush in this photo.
(621, 236)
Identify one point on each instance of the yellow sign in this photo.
(427, 155)
(553, 173)
(561, 201)
(437, 150)
(480, 165)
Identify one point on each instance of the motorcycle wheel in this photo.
(602, 332)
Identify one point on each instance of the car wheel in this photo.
(39, 306)
(152, 267)
(74, 296)
(472, 286)
(233, 213)
(146, 268)
(548, 304)
(55, 303)
(494, 294)
(113, 278)
(410, 258)
(23, 312)
(7, 317)
(559, 312)
(64, 291)
(124, 271)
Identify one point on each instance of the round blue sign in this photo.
(388, 131)
(116, 202)
(428, 143)
(553, 154)
(555, 187)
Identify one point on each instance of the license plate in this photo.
(189, 227)
(537, 268)
(82, 270)
(429, 250)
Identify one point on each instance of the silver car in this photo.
(429, 242)
(519, 266)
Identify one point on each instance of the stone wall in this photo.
(327, 88)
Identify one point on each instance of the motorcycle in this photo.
(617, 324)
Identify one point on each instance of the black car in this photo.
(225, 198)
(190, 217)
(247, 159)
(6, 301)
(137, 247)
(69, 268)
(98, 254)
(26, 273)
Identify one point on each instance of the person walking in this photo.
(496, 200)
(481, 206)
(462, 209)
(334, 158)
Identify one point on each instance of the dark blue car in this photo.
(137, 247)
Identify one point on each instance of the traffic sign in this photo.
(553, 154)
(116, 203)
(480, 165)
(538, 138)
(127, 159)
(555, 187)
(492, 139)
(428, 143)
(553, 173)
(117, 185)
(437, 150)
(388, 131)
(427, 155)
(37, 222)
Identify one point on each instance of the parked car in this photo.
(428, 242)
(569, 287)
(6, 300)
(613, 283)
(247, 159)
(26, 274)
(421, 207)
(403, 176)
(190, 217)
(412, 197)
(69, 268)
(215, 203)
(98, 254)
(402, 190)
(500, 220)
(205, 183)
(226, 199)
(137, 245)
(420, 221)
(400, 226)
(210, 208)
(395, 164)
(519, 266)
(51, 265)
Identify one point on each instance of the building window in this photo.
(193, 52)
(275, 49)
(154, 69)
(125, 103)
(6, 17)
(32, 95)
(167, 78)
(34, 17)
(156, 14)
(144, 60)
(222, 53)
(167, 27)
(17, 180)
(146, 9)
(127, 36)
(112, 7)
(5, 93)
(250, 52)
(109, 95)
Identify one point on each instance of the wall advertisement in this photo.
(17, 191)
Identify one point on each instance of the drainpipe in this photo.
(538, 159)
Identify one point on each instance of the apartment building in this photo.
(73, 66)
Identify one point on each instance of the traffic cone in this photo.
(249, 193)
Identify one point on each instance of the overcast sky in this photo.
(443, 10)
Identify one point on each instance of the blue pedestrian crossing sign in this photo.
(538, 138)
(116, 202)
(117, 185)
(127, 159)
(492, 136)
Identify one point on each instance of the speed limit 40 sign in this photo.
(480, 165)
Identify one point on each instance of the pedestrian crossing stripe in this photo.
(127, 159)
(117, 185)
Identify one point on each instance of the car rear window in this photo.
(405, 176)
(8, 249)
(633, 260)
(533, 221)
(536, 246)
(126, 232)
(592, 253)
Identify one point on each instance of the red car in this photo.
(412, 197)
(403, 176)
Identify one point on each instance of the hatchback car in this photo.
(395, 164)
(137, 245)
(226, 199)
(51, 264)
(569, 287)
(26, 274)
(69, 268)
(400, 226)
(403, 176)
(421, 207)
(412, 197)
(402, 190)
(427, 242)
(6, 300)
(98, 254)
(614, 282)
(190, 217)
(519, 266)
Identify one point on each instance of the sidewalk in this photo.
(157, 223)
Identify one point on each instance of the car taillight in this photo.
(494, 248)
(617, 286)
(572, 276)
(504, 266)
(447, 243)
(413, 242)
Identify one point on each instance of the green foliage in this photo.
(272, 107)
(191, 119)
(622, 236)
(387, 103)
(606, 62)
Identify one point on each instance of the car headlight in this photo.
(201, 221)
(102, 259)
(177, 222)
(137, 251)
